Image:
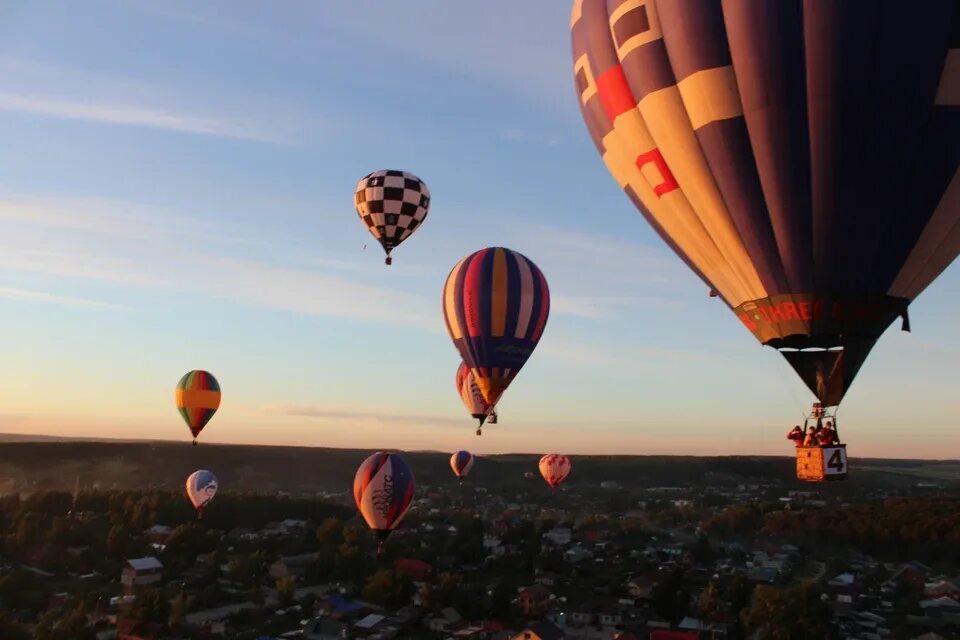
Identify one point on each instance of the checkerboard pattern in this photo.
(392, 204)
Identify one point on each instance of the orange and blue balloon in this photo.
(496, 303)
(383, 489)
(472, 397)
(197, 397)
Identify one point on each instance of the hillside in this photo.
(57, 464)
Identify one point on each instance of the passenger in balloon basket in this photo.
(796, 434)
(829, 435)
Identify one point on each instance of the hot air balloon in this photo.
(472, 398)
(800, 157)
(201, 487)
(392, 205)
(461, 462)
(383, 490)
(554, 468)
(495, 302)
(197, 397)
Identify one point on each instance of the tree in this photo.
(330, 532)
(178, 609)
(10, 629)
(286, 589)
(795, 613)
(151, 606)
(668, 598)
(708, 604)
(384, 587)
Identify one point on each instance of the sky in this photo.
(176, 184)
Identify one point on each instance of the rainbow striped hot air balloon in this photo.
(197, 397)
(383, 489)
(201, 487)
(461, 462)
(495, 303)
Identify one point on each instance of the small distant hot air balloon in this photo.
(495, 303)
(472, 398)
(392, 205)
(554, 468)
(197, 397)
(201, 487)
(383, 489)
(461, 462)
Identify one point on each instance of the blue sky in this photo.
(176, 192)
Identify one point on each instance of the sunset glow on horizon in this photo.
(192, 210)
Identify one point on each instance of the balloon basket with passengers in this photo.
(820, 454)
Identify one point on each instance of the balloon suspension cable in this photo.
(380, 548)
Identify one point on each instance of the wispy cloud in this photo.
(576, 351)
(40, 296)
(134, 115)
(333, 413)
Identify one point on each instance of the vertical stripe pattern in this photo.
(476, 405)
(461, 462)
(797, 154)
(495, 304)
(197, 398)
(383, 489)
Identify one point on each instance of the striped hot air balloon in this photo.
(496, 303)
(392, 205)
(472, 398)
(197, 397)
(461, 462)
(554, 468)
(383, 489)
(800, 156)
(201, 487)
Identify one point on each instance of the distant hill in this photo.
(49, 462)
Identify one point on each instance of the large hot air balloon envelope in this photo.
(495, 302)
(201, 487)
(197, 397)
(383, 489)
(461, 462)
(392, 205)
(471, 396)
(554, 468)
(800, 156)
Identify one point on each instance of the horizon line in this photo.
(21, 438)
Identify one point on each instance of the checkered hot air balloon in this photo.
(201, 487)
(801, 157)
(383, 489)
(554, 468)
(495, 303)
(472, 398)
(197, 397)
(392, 205)
(461, 462)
